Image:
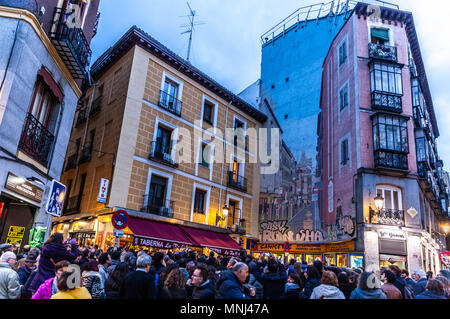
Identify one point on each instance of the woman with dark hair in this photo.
(345, 285)
(319, 266)
(300, 274)
(68, 291)
(368, 288)
(50, 286)
(292, 288)
(92, 281)
(53, 251)
(434, 290)
(112, 284)
(174, 285)
(312, 281)
(163, 276)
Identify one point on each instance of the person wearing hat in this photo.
(29, 265)
(5, 247)
(9, 279)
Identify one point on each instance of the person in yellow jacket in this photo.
(66, 289)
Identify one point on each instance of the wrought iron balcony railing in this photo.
(96, 105)
(391, 159)
(162, 153)
(383, 52)
(237, 181)
(164, 209)
(388, 217)
(72, 161)
(70, 42)
(36, 140)
(82, 117)
(86, 154)
(73, 205)
(387, 102)
(170, 103)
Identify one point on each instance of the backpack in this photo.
(409, 292)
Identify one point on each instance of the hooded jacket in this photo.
(327, 292)
(231, 287)
(291, 291)
(359, 293)
(273, 283)
(311, 283)
(204, 291)
(9, 282)
(429, 295)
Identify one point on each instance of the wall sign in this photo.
(21, 186)
(341, 247)
(391, 234)
(103, 190)
(56, 199)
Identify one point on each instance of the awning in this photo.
(380, 33)
(221, 243)
(54, 87)
(159, 235)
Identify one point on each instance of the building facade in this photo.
(150, 136)
(42, 69)
(378, 142)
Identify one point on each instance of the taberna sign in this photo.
(55, 199)
(103, 190)
(391, 234)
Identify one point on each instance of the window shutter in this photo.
(380, 34)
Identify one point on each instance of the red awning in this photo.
(48, 79)
(219, 242)
(160, 235)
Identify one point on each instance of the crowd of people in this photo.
(62, 270)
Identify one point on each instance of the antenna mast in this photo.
(191, 29)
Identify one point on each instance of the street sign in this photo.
(103, 190)
(120, 219)
(287, 247)
(55, 199)
(118, 233)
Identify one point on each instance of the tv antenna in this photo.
(190, 27)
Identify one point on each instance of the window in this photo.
(171, 88)
(157, 194)
(379, 36)
(239, 132)
(163, 140)
(199, 201)
(204, 156)
(42, 104)
(343, 97)
(344, 152)
(392, 197)
(343, 53)
(390, 135)
(208, 112)
(386, 77)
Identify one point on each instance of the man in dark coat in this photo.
(399, 282)
(421, 282)
(232, 285)
(273, 281)
(139, 284)
(28, 267)
(434, 290)
(53, 252)
(200, 287)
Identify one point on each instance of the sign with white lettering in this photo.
(118, 233)
(103, 190)
(391, 234)
(21, 186)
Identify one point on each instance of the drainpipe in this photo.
(223, 154)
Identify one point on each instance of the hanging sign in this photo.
(103, 190)
(56, 199)
(21, 186)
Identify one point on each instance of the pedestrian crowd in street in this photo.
(62, 270)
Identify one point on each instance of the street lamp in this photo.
(446, 229)
(379, 202)
(224, 215)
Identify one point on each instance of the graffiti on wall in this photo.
(279, 231)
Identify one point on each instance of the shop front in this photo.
(340, 254)
(20, 201)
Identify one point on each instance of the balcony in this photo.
(96, 106)
(391, 159)
(161, 155)
(82, 117)
(386, 102)
(383, 52)
(73, 205)
(72, 161)
(86, 154)
(36, 140)
(170, 103)
(391, 217)
(70, 43)
(164, 209)
(422, 169)
(237, 181)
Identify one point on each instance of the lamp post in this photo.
(379, 202)
(224, 215)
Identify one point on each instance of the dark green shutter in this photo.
(380, 34)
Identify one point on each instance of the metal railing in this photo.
(36, 140)
(76, 47)
(162, 153)
(391, 159)
(164, 209)
(170, 103)
(237, 181)
(72, 161)
(388, 217)
(82, 117)
(96, 105)
(387, 102)
(383, 52)
(86, 155)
